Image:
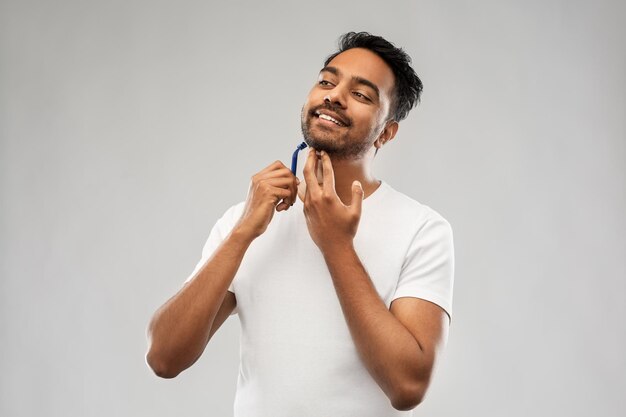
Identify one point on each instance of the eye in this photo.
(324, 83)
(356, 93)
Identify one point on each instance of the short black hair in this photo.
(408, 87)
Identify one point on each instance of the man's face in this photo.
(358, 87)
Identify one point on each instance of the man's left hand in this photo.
(331, 223)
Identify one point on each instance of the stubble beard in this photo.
(339, 146)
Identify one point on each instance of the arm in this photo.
(181, 328)
(398, 346)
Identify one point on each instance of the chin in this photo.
(320, 142)
(321, 139)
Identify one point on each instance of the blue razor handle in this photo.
(294, 158)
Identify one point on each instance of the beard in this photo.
(338, 145)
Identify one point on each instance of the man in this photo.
(344, 297)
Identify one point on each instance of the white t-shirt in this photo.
(297, 357)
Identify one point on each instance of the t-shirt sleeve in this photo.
(428, 268)
(218, 233)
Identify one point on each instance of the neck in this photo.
(346, 171)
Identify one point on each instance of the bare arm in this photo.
(180, 329)
(399, 345)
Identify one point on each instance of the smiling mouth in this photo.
(328, 123)
(328, 120)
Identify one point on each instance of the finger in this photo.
(280, 172)
(309, 172)
(286, 183)
(279, 194)
(357, 197)
(294, 186)
(328, 173)
(277, 182)
(273, 166)
(281, 177)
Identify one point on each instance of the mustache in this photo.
(338, 111)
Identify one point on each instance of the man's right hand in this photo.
(268, 187)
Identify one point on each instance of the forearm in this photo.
(180, 329)
(390, 352)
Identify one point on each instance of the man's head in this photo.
(367, 86)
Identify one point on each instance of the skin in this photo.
(351, 148)
(400, 345)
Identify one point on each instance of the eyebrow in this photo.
(359, 80)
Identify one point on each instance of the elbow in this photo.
(156, 359)
(406, 403)
(407, 399)
(159, 366)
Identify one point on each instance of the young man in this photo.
(345, 296)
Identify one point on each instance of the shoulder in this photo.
(411, 210)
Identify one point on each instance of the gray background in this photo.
(128, 127)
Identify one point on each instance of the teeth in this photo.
(327, 117)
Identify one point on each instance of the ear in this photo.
(388, 133)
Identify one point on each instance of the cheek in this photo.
(368, 120)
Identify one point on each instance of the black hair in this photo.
(407, 87)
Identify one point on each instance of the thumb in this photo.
(357, 195)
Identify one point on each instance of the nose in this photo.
(335, 97)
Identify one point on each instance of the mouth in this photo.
(329, 119)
